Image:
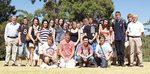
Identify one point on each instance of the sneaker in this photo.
(19, 65)
(114, 64)
(5, 65)
(128, 64)
(14, 64)
(27, 65)
(131, 65)
(84, 64)
(141, 65)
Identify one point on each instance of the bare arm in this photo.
(30, 36)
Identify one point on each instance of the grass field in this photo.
(109, 70)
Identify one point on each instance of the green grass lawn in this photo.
(109, 70)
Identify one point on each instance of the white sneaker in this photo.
(19, 65)
(27, 65)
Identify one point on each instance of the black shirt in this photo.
(24, 30)
(74, 36)
(90, 30)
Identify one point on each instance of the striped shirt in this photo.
(44, 34)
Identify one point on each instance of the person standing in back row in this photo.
(23, 30)
(11, 40)
(119, 27)
(135, 31)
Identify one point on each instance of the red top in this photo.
(66, 48)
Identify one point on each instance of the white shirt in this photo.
(50, 49)
(106, 48)
(11, 30)
(135, 29)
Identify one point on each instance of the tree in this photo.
(22, 14)
(6, 10)
(147, 23)
(78, 9)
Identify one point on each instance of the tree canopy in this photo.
(6, 10)
(77, 9)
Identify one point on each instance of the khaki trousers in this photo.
(11, 49)
(135, 49)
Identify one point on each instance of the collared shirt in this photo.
(119, 28)
(66, 48)
(135, 29)
(11, 30)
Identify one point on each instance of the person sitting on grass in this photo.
(103, 52)
(66, 51)
(50, 54)
(85, 53)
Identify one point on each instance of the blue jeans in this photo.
(23, 49)
(90, 59)
(94, 47)
(102, 62)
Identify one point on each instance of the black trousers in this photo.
(119, 45)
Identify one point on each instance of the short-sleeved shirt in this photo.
(50, 49)
(23, 29)
(44, 34)
(103, 49)
(85, 50)
(90, 30)
(119, 28)
(135, 29)
(66, 48)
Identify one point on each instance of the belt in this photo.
(135, 36)
(12, 37)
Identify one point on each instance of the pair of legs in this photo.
(11, 50)
(135, 49)
(33, 53)
(102, 62)
(87, 63)
(119, 45)
(41, 51)
(23, 49)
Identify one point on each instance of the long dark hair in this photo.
(50, 22)
(43, 23)
(35, 19)
(62, 23)
(107, 26)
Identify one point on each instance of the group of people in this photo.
(57, 43)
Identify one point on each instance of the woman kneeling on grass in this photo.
(50, 54)
(103, 52)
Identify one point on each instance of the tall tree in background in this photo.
(78, 9)
(6, 10)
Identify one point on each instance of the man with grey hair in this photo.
(11, 40)
(135, 30)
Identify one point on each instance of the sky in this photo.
(138, 7)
